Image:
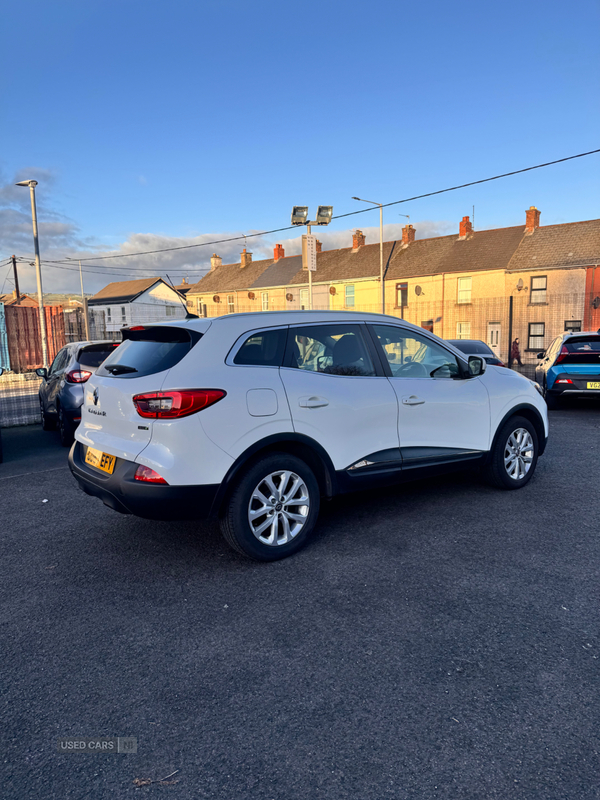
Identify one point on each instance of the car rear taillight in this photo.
(148, 475)
(172, 405)
(563, 380)
(78, 376)
(563, 354)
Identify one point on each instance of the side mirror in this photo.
(540, 355)
(42, 372)
(477, 366)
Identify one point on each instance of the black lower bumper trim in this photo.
(122, 493)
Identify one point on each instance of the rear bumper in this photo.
(577, 387)
(122, 493)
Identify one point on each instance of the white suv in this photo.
(252, 418)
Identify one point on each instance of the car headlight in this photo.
(537, 386)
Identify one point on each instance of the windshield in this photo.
(146, 351)
(580, 350)
(92, 356)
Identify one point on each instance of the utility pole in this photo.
(14, 263)
(38, 270)
(310, 299)
(84, 306)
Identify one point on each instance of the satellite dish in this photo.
(418, 291)
(289, 297)
(332, 290)
(596, 302)
(216, 298)
(251, 295)
(520, 284)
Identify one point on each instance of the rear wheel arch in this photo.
(308, 450)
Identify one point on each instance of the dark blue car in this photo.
(570, 367)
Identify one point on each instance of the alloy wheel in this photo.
(278, 508)
(519, 452)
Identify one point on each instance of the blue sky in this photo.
(149, 124)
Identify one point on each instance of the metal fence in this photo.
(19, 404)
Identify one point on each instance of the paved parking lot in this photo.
(439, 640)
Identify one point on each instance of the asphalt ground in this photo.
(438, 640)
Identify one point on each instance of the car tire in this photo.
(274, 483)
(48, 424)
(65, 429)
(514, 457)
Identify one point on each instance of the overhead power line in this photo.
(348, 214)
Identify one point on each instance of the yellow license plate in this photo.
(593, 385)
(100, 460)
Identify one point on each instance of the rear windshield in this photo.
(581, 350)
(93, 355)
(471, 347)
(148, 351)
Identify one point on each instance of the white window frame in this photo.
(304, 298)
(346, 296)
(264, 297)
(463, 330)
(572, 326)
(538, 294)
(538, 336)
(464, 287)
(231, 304)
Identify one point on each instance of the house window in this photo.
(463, 330)
(231, 303)
(573, 325)
(539, 285)
(537, 331)
(265, 301)
(170, 311)
(199, 307)
(303, 298)
(349, 296)
(401, 295)
(108, 314)
(464, 290)
(427, 324)
(123, 314)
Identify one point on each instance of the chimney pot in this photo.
(358, 240)
(246, 258)
(215, 262)
(319, 246)
(408, 234)
(532, 219)
(278, 252)
(465, 228)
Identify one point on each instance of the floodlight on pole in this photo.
(38, 269)
(300, 217)
(360, 200)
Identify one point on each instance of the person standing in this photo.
(515, 352)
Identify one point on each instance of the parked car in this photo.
(252, 418)
(61, 391)
(570, 367)
(475, 347)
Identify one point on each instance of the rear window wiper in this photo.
(120, 369)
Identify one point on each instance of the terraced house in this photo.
(528, 281)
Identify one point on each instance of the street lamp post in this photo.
(380, 249)
(38, 270)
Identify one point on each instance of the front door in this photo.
(442, 416)
(336, 397)
(493, 338)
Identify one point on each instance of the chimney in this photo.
(532, 219)
(358, 240)
(319, 246)
(215, 262)
(245, 259)
(408, 234)
(278, 252)
(466, 229)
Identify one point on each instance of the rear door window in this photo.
(147, 351)
(331, 349)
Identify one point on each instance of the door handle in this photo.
(312, 402)
(413, 400)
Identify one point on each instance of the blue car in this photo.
(570, 367)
